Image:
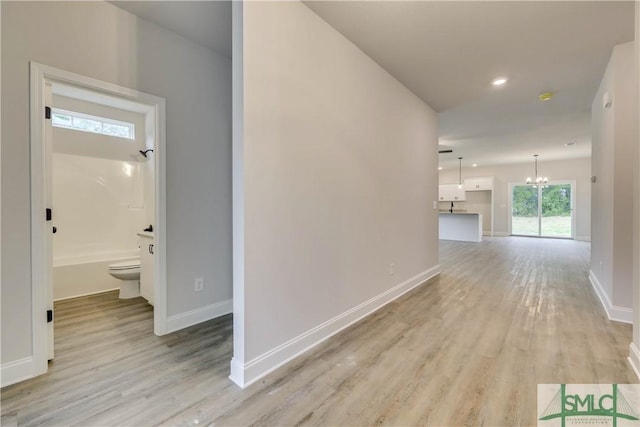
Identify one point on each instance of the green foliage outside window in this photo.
(556, 200)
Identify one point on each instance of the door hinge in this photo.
(48, 214)
(47, 112)
(49, 316)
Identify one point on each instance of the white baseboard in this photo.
(87, 294)
(614, 312)
(500, 234)
(199, 315)
(634, 359)
(582, 238)
(16, 371)
(250, 372)
(237, 374)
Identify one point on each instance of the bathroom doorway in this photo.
(87, 110)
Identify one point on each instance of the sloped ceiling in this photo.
(205, 22)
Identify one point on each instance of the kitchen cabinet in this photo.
(146, 244)
(479, 184)
(451, 193)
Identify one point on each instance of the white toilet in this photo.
(129, 273)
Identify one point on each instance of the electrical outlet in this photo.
(392, 269)
(198, 284)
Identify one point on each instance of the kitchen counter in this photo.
(460, 226)
(458, 213)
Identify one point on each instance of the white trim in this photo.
(237, 373)
(0, 159)
(509, 206)
(614, 312)
(88, 294)
(160, 314)
(155, 109)
(583, 238)
(634, 353)
(634, 359)
(39, 269)
(252, 371)
(199, 315)
(237, 189)
(574, 213)
(16, 371)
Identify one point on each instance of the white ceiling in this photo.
(447, 53)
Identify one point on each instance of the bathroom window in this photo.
(87, 123)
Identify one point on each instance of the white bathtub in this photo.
(86, 274)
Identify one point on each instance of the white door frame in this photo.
(40, 229)
(573, 207)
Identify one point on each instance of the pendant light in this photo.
(538, 180)
(460, 173)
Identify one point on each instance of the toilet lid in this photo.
(125, 265)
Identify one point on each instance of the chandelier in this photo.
(538, 180)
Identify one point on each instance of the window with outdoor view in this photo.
(94, 124)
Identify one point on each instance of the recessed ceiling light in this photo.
(474, 165)
(439, 168)
(569, 144)
(499, 81)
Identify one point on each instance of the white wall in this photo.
(571, 169)
(340, 174)
(98, 40)
(614, 133)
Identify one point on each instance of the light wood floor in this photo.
(466, 348)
